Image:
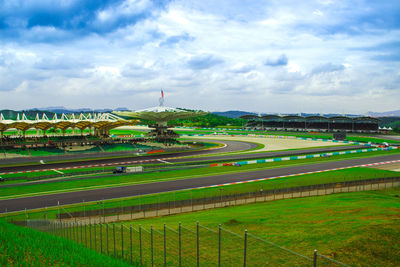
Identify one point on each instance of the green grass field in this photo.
(20, 246)
(356, 228)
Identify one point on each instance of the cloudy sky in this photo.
(264, 56)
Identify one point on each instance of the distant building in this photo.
(313, 123)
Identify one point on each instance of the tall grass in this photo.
(21, 246)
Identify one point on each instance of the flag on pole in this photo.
(162, 94)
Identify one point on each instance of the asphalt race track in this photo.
(231, 146)
(142, 189)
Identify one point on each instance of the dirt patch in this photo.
(389, 167)
(331, 211)
(233, 222)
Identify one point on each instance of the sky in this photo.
(274, 56)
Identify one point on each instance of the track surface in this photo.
(141, 189)
(231, 146)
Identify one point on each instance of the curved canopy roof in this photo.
(82, 121)
(366, 119)
(268, 117)
(249, 117)
(310, 118)
(316, 118)
(160, 114)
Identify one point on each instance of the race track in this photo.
(142, 189)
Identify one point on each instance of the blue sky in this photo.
(263, 56)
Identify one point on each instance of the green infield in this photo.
(138, 178)
(127, 132)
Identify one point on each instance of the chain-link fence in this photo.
(183, 201)
(180, 245)
(150, 206)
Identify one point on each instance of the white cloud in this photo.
(207, 55)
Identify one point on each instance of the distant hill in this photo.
(237, 113)
(233, 113)
(66, 110)
(394, 113)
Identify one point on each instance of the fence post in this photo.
(81, 233)
(245, 248)
(130, 234)
(101, 237)
(122, 240)
(104, 214)
(180, 246)
(114, 239)
(315, 258)
(219, 245)
(204, 200)
(165, 246)
(140, 204)
(90, 235)
(74, 234)
(198, 244)
(108, 247)
(151, 245)
(58, 207)
(140, 244)
(85, 236)
(77, 231)
(95, 238)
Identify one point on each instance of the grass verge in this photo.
(20, 246)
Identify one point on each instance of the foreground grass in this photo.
(359, 229)
(20, 246)
(93, 183)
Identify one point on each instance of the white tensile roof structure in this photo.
(102, 122)
(161, 115)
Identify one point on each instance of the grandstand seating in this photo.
(314, 123)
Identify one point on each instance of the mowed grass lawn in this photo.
(359, 229)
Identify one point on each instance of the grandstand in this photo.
(313, 123)
(51, 136)
(97, 124)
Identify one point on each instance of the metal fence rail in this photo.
(223, 200)
(179, 245)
